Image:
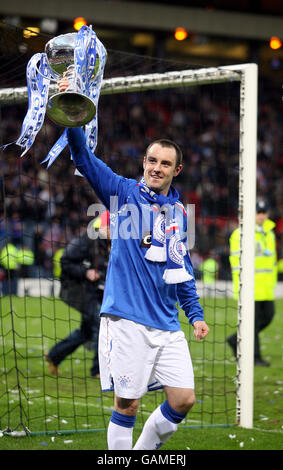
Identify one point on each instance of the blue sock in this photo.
(171, 414)
(123, 420)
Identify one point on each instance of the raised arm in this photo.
(102, 179)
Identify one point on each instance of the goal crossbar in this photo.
(140, 82)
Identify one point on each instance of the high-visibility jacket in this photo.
(25, 257)
(9, 257)
(280, 266)
(57, 264)
(209, 269)
(265, 261)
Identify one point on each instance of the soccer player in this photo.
(141, 344)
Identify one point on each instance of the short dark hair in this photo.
(169, 143)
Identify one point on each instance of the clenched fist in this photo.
(200, 329)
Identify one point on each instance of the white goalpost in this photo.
(247, 76)
(247, 201)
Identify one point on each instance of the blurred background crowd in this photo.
(44, 209)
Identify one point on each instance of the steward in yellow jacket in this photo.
(265, 260)
(265, 275)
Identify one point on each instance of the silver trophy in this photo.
(70, 108)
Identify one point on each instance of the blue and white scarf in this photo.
(166, 244)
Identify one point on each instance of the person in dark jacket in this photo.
(83, 270)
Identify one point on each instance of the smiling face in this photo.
(159, 166)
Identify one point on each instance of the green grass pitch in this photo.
(54, 407)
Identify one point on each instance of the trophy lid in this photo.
(60, 53)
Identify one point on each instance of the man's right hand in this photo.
(63, 84)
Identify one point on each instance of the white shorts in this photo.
(134, 358)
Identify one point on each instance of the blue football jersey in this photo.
(134, 287)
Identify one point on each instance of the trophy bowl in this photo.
(70, 108)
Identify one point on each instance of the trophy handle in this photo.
(44, 76)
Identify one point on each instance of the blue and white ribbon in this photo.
(84, 58)
(38, 86)
(56, 149)
(94, 92)
(87, 48)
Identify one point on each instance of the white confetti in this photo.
(68, 442)
(242, 444)
(232, 436)
(18, 433)
(264, 418)
(52, 438)
(188, 448)
(1, 434)
(64, 421)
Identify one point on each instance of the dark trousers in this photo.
(88, 332)
(10, 283)
(264, 313)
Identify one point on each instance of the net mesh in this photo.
(44, 210)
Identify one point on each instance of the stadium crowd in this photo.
(43, 210)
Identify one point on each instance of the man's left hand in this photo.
(200, 329)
